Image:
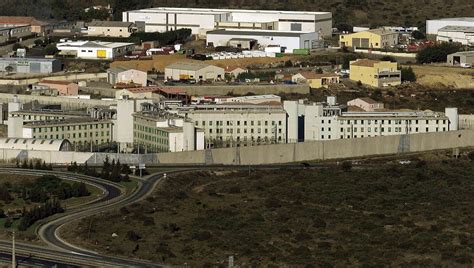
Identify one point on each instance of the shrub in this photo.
(408, 74)
(132, 236)
(346, 166)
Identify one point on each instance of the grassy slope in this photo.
(388, 215)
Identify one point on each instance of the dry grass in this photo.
(443, 76)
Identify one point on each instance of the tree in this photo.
(39, 42)
(346, 166)
(437, 53)
(9, 69)
(388, 58)
(51, 49)
(408, 74)
(418, 35)
(344, 27)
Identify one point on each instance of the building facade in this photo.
(375, 73)
(158, 131)
(111, 28)
(126, 76)
(375, 38)
(201, 20)
(458, 34)
(79, 131)
(196, 71)
(31, 65)
(14, 33)
(461, 58)
(433, 26)
(315, 80)
(236, 125)
(324, 121)
(65, 88)
(289, 40)
(94, 49)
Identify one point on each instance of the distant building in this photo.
(330, 121)
(290, 40)
(138, 93)
(254, 99)
(461, 58)
(111, 28)
(65, 88)
(126, 76)
(59, 145)
(31, 65)
(202, 20)
(375, 38)
(315, 80)
(159, 131)
(14, 33)
(366, 104)
(79, 131)
(433, 26)
(196, 71)
(232, 125)
(94, 49)
(458, 34)
(375, 73)
(37, 27)
(234, 71)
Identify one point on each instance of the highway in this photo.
(60, 252)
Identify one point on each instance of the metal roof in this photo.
(191, 66)
(28, 59)
(463, 29)
(35, 144)
(256, 33)
(105, 23)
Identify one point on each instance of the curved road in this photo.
(113, 198)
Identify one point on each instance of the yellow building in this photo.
(375, 73)
(375, 38)
(315, 80)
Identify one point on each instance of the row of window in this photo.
(385, 121)
(150, 130)
(238, 123)
(244, 131)
(69, 128)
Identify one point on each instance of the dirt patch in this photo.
(442, 76)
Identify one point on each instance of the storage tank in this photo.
(453, 116)
(189, 136)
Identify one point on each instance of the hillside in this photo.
(354, 12)
(384, 215)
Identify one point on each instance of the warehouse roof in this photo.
(468, 19)
(56, 82)
(88, 44)
(190, 66)
(105, 23)
(218, 11)
(468, 53)
(256, 33)
(365, 62)
(35, 144)
(462, 29)
(119, 69)
(18, 20)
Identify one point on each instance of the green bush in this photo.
(437, 53)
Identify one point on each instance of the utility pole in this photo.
(13, 250)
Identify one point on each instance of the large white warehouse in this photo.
(288, 40)
(433, 26)
(201, 20)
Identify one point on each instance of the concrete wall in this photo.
(80, 76)
(383, 53)
(272, 154)
(244, 89)
(66, 103)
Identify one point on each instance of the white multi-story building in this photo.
(329, 121)
(238, 124)
(201, 20)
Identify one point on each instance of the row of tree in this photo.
(38, 164)
(112, 171)
(37, 213)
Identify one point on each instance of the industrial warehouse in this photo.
(30, 65)
(201, 20)
(251, 39)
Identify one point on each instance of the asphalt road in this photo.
(64, 252)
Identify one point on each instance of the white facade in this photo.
(94, 50)
(290, 40)
(238, 125)
(457, 34)
(124, 121)
(200, 20)
(329, 122)
(433, 26)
